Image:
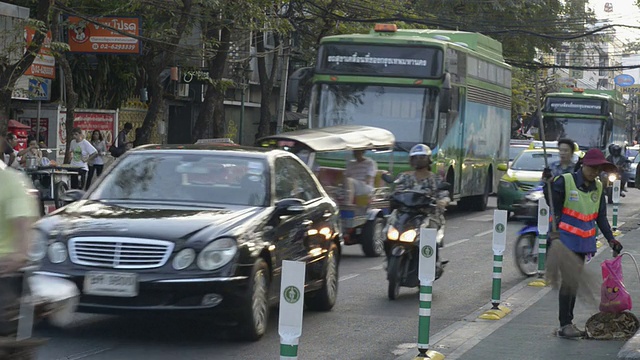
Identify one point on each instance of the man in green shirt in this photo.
(18, 210)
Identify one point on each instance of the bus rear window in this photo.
(377, 60)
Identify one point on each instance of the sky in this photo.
(624, 12)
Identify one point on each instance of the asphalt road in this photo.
(363, 325)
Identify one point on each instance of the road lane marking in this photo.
(347, 277)
(482, 218)
(379, 267)
(484, 233)
(456, 242)
(85, 354)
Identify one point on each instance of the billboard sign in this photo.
(89, 37)
(44, 65)
(624, 80)
(88, 121)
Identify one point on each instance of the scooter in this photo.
(526, 249)
(413, 208)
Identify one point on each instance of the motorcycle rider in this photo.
(422, 179)
(622, 162)
(18, 210)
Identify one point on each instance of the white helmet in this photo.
(420, 149)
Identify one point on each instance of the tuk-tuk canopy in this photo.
(334, 138)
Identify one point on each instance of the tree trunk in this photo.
(72, 96)
(212, 111)
(156, 104)
(266, 82)
(10, 73)
(157, 59)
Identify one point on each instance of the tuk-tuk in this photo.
(363, 216)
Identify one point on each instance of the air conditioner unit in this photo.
(183, 90)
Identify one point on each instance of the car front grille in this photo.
(525, 186)
(120, 252)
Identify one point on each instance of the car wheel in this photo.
(373, 237)
(325, 298)
(58, 191)
(255, 310)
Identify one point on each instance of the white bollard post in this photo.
(427, 275)
(616, 204)
(291, 308)
(499, 244)
(543, 229)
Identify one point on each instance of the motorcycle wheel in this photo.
(526, 259)
(394, 275)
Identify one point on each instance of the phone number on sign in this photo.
(114, 46)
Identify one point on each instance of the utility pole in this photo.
(284, 78)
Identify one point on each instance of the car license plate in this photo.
(111, 284)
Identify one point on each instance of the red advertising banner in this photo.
(88, 37)
(88, 121)
(44, 65)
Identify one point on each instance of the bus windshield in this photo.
(587, 133)
(409, 113)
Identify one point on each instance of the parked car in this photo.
(630, 174)
(196, 227)
(523, 175)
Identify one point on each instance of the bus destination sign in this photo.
(378, 60)
(574, 106)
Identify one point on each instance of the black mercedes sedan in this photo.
(195, 228)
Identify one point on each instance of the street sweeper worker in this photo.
(578, 205)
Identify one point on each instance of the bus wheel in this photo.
(479, 202)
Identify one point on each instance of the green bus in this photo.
(591, 118)
(450, 90)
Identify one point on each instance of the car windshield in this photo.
(632, 152)
(533, 161)
(209, 178)
(515, 150)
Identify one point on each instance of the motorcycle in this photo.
(413, 208)
(526, 248)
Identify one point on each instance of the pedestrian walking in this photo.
(579, 205)
(81, 152)
(96, 165)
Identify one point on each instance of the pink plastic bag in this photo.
(614, 298)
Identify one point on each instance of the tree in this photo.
(164, 30)
(11, 69)
(72, 97)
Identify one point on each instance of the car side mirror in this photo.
(388, 178)
(289, 206)
(444, 186)
(503, 167)
(72, 196)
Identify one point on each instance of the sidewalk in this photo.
(528, 331)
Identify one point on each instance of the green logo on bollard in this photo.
(543, 212)
(427, 251)
(291, 294)
(500, 228)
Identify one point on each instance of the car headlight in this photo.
(612, 177)
(507, 185)
(184, 259)
(38, 246)
(57, 252)
(408, 236)
(392, 233)
(217, 254)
